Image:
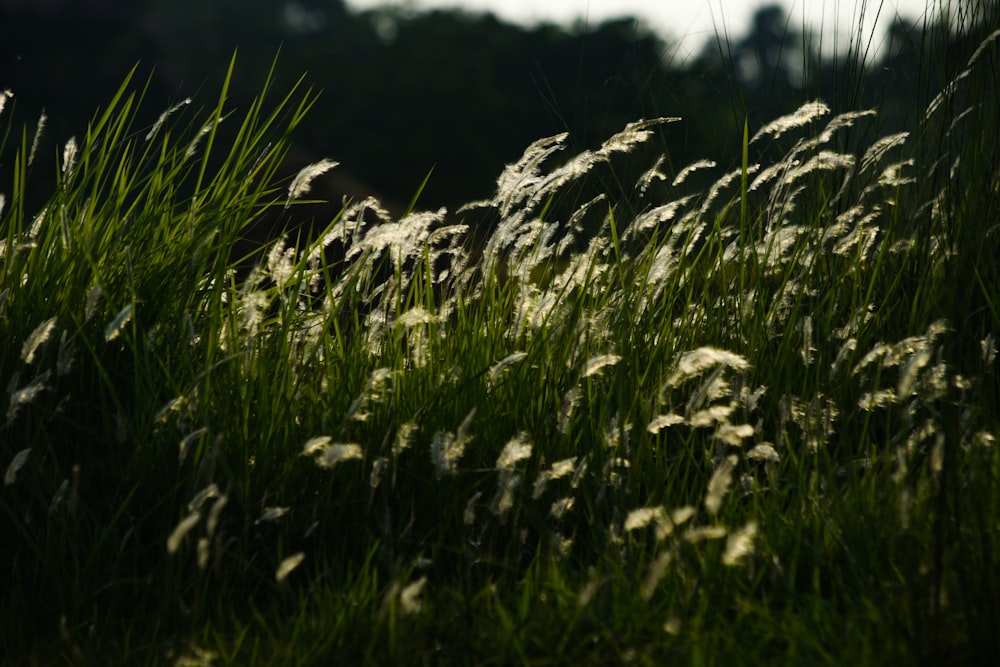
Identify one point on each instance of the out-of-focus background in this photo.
(411, 88)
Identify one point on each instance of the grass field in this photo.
(738, 416)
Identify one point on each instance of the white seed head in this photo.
(303, 180)
(595, 364)
(718, 485)
(272, 514)
(37, 338)
(15, 465)
(115, 327)
(181, 530)
(409, 597)
(287, 565)
(517, 449)
(664, 421)
(740, 544)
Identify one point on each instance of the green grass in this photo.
(753, 423)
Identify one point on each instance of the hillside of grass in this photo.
(716, 415)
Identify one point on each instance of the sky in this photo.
(691, 22)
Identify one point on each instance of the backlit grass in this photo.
(753, 421)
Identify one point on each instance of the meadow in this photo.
(722, 414)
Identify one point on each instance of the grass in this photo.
(751, 422)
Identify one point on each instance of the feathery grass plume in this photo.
(164, 116)
(697, 165)
(205, 129)
(503, 499)
(764, 451)
(203, 496)
(697, 361)
(181, 530)
(39, 130)
(516, 450)
(610, 474)
(807, 350)
(187, 441)
(378, 383)
(909, 371)
(379, 467)
(559, 507)
(704, 533)
(892, 176)
(409, 597)
(569, 403)
(681, 515)
(713, 193)
(740, 544)
(65, 355)
(503, 364)
(659, 518)
(25, 395)
(847, 349)
(823, 161)
(37, 338)
(878, 149)
(719, 483)
(711, 416)
(214, 513)
(36, 227)
(403, 239)
(447, 448)
(315, 445)
(734, 434)
(558, 470)
(333, 454)
(878, 352)
(287, 565)
(5, 95)
(93, 298)
(303, 180)
(517, 181)
(877, 399)
(664, 421)
(115, 327)
(715, 386)
(16, 464)
(644, 516)
(989, 350)
(802, 116)
(651, 174)
(634, 133)
(204, 551)
(469, 515)
(655, 217)
(69, 158)
(272, 514)
(404, 437)
(594, 365)
(655, 574)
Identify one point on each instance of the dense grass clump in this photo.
(749, 421)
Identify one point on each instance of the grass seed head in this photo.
(181, 530)
(740, 544)
(517, 449)
(718, 485)
(15, 465)
(37, 338)
(287, 565)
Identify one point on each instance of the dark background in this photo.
(462, 94)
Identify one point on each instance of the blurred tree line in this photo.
(404, 93)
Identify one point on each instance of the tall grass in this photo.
(752, 421)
